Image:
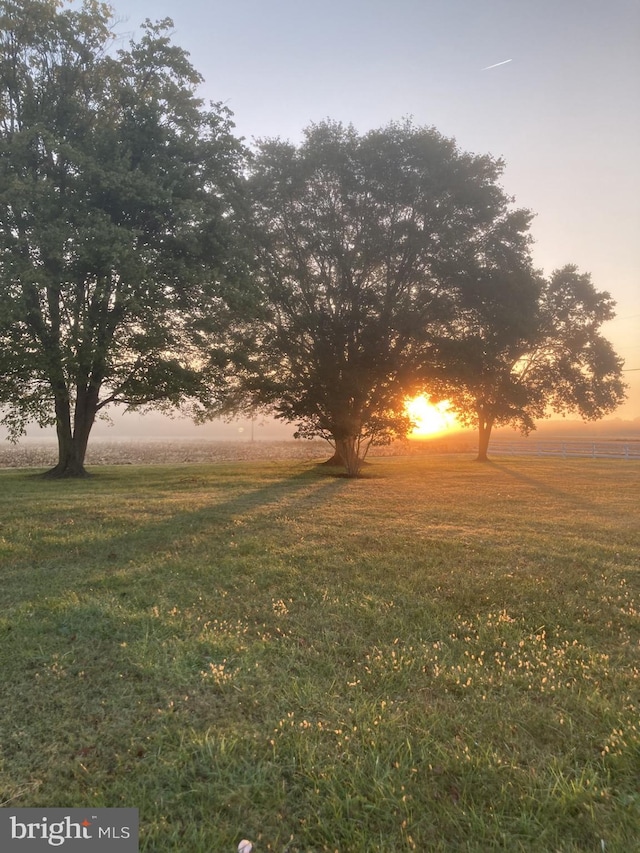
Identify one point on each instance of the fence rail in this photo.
(568, 449)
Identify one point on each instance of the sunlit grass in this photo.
(439, 656)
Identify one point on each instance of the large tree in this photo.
(534, 359)
(118, 191)
(361, 244)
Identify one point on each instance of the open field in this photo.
(178, 452)
(440, 656)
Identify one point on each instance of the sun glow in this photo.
(430, 418)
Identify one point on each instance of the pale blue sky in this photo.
(564, 113)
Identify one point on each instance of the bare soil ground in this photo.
(44, 454)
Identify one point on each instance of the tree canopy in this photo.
(363, 245)
(547, 356)
(118, 199)
(146, 259)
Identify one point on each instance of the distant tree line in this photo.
(148, 258)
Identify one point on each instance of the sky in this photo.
(564, 113)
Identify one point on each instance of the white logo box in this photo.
(69, 830)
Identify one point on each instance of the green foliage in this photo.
(119, 193)
(573, 362)
(542, 352)
(363, 243)
(384, 262)
(268, 652)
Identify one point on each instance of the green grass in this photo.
(441, 656)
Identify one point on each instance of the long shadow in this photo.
(570, 498)
(269, 500)
(87, 626)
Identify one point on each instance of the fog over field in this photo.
(154, 426)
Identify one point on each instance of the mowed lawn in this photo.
(439, 656)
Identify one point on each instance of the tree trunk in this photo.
(484, 434)
(72, 443)
(347, 450)
(336, 460)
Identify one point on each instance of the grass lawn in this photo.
(440, 656)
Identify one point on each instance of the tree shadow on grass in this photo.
(107, 654)
(130, 552)
(342, 475)
(541, 485)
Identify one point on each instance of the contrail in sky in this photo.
(504, 62)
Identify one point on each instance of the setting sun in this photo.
(430, 418)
